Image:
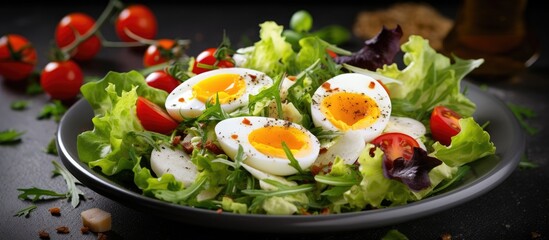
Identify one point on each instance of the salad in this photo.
(286, 130)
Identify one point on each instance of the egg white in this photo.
(181, 104)
(357, 84)
(233, 132)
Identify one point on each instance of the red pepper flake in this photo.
(322, 150)
(213, 148)
(187, 147)
(43, 234)
(326, 86)
(292, 78)
(55, 211)
(63, 230)
(372, 85)
(219, 211)
(234, 136)
(252, 76)
(176, 140)
(325, 211)
(181, 100)
(245, 121)
(84, 230)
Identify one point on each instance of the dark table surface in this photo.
(516, 209)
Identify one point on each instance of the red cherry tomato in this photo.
(444, 124)
(65, 35)
(158, 53)
(139, 20)
(153, 117)
(17, 57)
(205, 61)
(396, 145)
(162, 80)
(62, 80)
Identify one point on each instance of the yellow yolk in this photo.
(268, 140)
(228, 86)
(350, 111)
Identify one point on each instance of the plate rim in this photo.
(291, 224)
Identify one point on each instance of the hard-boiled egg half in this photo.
(232, 85)
(261, 139)
(352, 102)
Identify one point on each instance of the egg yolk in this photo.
(228, 86)
(268, 140)
(350, 111)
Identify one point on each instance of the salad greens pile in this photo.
(119, 146)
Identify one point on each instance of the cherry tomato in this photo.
(162, 80)
(17, 57)
(444, 124)
(396, 145)
(139, 20)
(62, 80)
(205, 62)
(153, 117)
(159, 53)
(65, 35)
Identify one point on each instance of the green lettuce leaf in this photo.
(470, 144)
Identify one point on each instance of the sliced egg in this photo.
(261, 139)
(352, 102)
(347, 146)
(232, 85)
(175, 161)
(408, 126)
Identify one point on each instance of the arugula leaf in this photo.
(10, 136)
(73, 192)
(293, 162)
(55, 109)
(525, 163)
(522, 114)
(51, 148)
(282, 189)
(34, 194)
(19, 105)
(25, 211)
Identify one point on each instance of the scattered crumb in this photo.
(63, 229)
(101, 236)
(97, 220)
(43, 234)
(84, 230)
(446, 236)
(414, 18)
(55, 211)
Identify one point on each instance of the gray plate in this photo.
(486, 174)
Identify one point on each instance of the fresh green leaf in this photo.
(282, 189)
(394, 234)
(73, 192)
(51, 148)
(293, 161)
(19, 105)
(25, 211)
(525, 163)
(301, 21)
(55, 109)
(523, 114)
(10, 136)
(34, 194)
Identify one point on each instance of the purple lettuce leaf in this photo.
(377, 51)
(414, 172)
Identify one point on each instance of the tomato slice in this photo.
(396, 145)
(162, 80)
(153, 117)
(444, 124)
